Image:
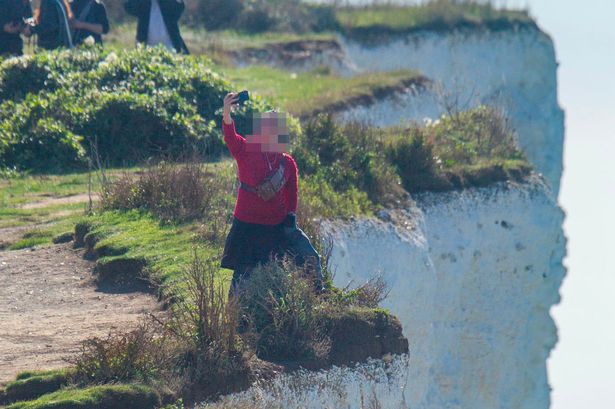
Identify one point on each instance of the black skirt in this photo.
(249, 244)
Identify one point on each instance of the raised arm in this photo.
(233, 140)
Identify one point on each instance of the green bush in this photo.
(416, 164)
(347, 157)
(255, 16)
(173, 192)
(34, 73)
(130, 105)
(471, 148)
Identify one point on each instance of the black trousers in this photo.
(248, 245)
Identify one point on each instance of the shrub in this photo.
(129, 127)
(47, 146)
(462, 149)
(282, 304)
(142, 354)
(173, 192)
(131, 104)
(416, 163)
(217, 14)
(346, 157)
(214, 361)
(34, 73)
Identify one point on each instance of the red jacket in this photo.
(253, 168)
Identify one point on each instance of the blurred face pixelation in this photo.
(269, 133)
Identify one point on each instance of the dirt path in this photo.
(48, 304)
(53, 200)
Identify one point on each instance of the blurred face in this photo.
(269, 133)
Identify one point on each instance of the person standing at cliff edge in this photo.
(264, 221)
(158, 22)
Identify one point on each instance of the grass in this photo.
(134, 235)
(95, 397)
(304, 93)
(433, 15)
(32, 384)
(215, 44)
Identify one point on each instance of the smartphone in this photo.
(243, 96)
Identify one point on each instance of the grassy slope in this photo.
(304, 93)
(103, 396)
(435, 15)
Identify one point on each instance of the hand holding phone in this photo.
(243, 96)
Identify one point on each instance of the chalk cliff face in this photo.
(512, 69)
(473, 275)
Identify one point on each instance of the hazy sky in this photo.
(582, 366)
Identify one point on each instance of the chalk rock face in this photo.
(473, 275)
(512, 69)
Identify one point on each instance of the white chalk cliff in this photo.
(473, 274)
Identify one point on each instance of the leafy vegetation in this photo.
(347, 157)
(57, 107)
(472, 148)
(296, 16)
(58, 110)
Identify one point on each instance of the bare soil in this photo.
(51, 201)
(49, 303)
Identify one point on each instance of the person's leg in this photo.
(304, 253)
(240, 274)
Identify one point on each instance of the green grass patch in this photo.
(304, 93)
(468, 149)
(33, 384)
(137, 235)
(95, 397)
(440, 15)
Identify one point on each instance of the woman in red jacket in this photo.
(264, 221)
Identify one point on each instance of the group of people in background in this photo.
(64, 23)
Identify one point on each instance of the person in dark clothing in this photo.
(90, 20)
(12, 17)
(158, 22)
(52, 24)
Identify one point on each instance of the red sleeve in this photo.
(233, 140)
(292, 185)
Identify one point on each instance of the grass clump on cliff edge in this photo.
(467, 149)
(56, 107)
(438, 15)
(95, 397)
(305, 93)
